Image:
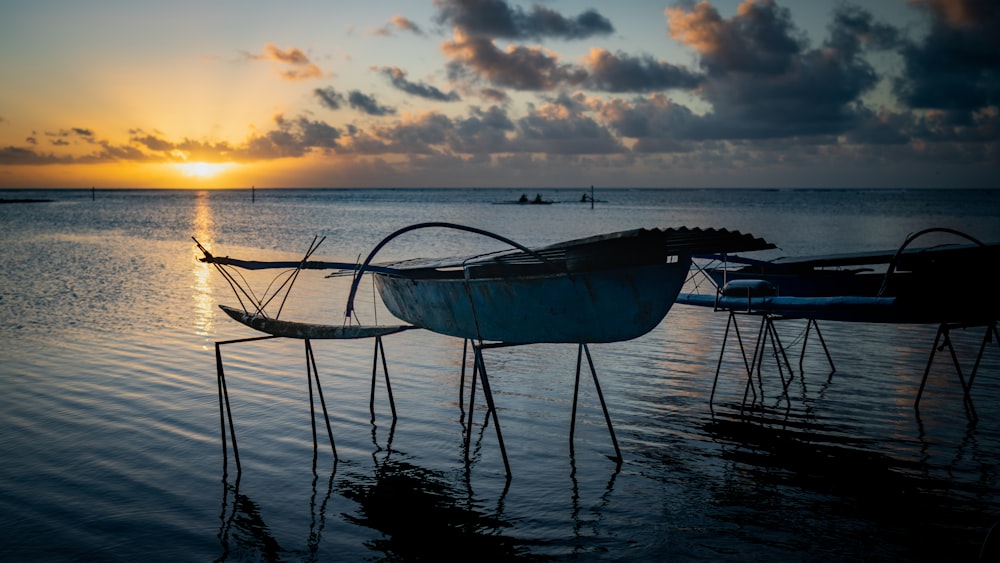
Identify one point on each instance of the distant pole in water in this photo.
(592, 196)
(93, 193)
(253, 195)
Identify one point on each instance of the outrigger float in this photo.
(607, 288)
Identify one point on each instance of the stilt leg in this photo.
(576, 394)
(225, 410)
(937, 338)
(758, 352)
(487, 392)
(227, 413)
(313, 374)
(718, 366)
(385, 372)
(472, 394)
(778, 350)
(461, 377)
(380, 348)
(604, 406)
(989, 335)
(811, 323)
(961, 377)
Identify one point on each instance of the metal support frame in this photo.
(312, 374)
(943, 339)
(765, 332)
(479, 369)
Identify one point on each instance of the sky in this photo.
(499, 93)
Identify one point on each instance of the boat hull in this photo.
(609, 305)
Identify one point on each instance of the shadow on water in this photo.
(874, 500)
(422, 516)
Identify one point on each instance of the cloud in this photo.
(494, 95)
(368, 104)
(293, 63)
(762, 78)
(761, 38)
(560, 127)
(495, 18)
(656, 123)
(957, 65)
(399, 23)
(624, 73)
(365, 103)
(329, 97)
(397, 77)
(521, 68)
(22, 156)
(483, 132)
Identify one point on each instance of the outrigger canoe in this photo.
(605, 288)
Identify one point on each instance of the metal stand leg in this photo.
(805, 340)
(461, 379)
(225, 411)
(743, 352)
(576, 389)
(943, 339)
(487, 392)
(472, 397)
(313, 374)
(379, 347)
(991, 334)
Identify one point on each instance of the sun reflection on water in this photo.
(202, 226)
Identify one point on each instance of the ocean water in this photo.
(111, 436)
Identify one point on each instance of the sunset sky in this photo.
(499, 93)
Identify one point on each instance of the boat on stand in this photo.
(601, 289)
(605, 288)
(912, 284)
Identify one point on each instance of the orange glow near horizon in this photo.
(203, 170)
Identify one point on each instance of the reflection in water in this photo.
(422, 517)
(845, 482)
(244, 534)
(597, 511)
(204, 302)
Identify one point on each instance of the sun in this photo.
(202, 170)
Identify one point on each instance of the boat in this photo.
(605, 288)
(523, 200)
(906, 285)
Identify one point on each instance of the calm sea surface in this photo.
(111, 446)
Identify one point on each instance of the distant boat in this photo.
(605, 288)
(524, 200)
(589, 198)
